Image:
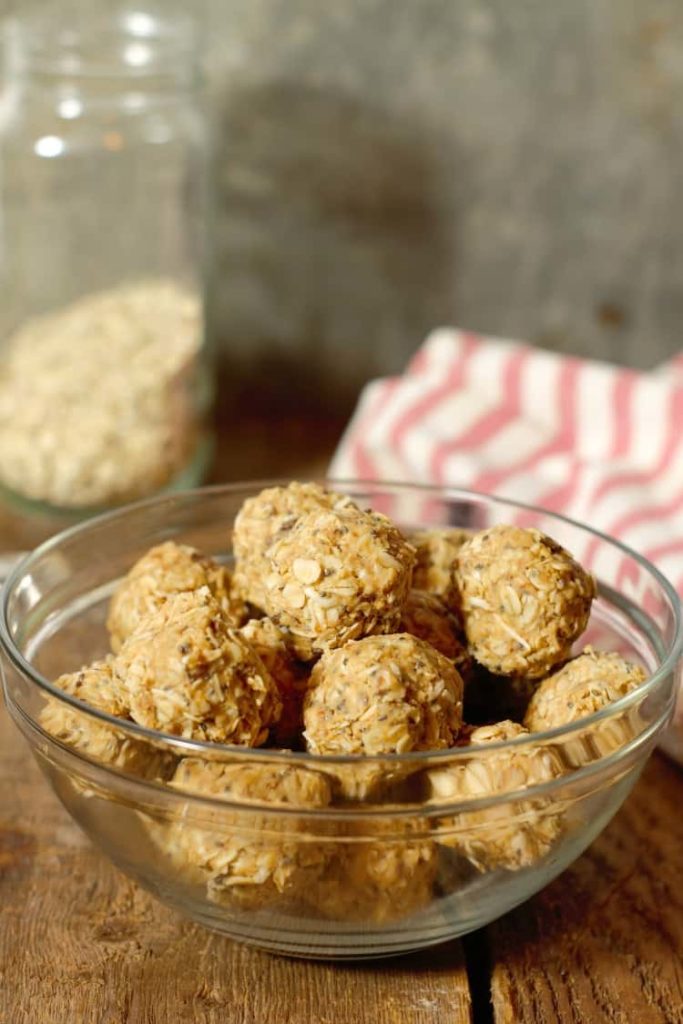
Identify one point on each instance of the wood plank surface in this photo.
(604, 943)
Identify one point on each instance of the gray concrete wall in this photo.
(512, 166)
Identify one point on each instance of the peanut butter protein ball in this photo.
(269, 784)
(188, 673)
(511, 834)
(383, 695)
(227, 855)
(524, 600)
(266, 518)
(586, 684)
(165, 570)
(338, 575)
(97, 687)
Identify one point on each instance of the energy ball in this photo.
(427, 617)
(265, 518)
(383, 695)
(96, 686)
(524, 600)
(338, 575)
(273, 647)
(165, 570)
(511, 834)
(275, 784)
(584, 685)
(437, 551)
(377, 882)
(188, 673)
(227, 856)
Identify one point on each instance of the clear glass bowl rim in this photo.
(189, 747)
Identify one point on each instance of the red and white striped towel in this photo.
(599, 443)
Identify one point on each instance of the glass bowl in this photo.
(366, 856)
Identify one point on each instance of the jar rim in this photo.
(133, 42)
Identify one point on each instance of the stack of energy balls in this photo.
(337, 634)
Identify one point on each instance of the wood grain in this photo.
(603, 944)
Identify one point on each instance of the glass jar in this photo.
(104, 380)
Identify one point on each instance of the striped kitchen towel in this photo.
(599, 443)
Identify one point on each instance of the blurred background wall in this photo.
(385, 166)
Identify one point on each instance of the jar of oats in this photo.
(104, 381)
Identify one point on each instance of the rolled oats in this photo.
(96, 400)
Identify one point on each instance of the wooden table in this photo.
(81, 944)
